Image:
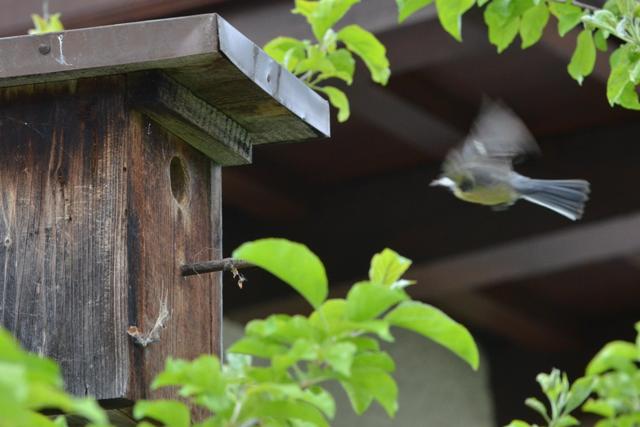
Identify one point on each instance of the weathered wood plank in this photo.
(202, 125)
(63, 287)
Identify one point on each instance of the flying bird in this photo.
(481, 171)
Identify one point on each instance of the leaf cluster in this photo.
(276, 374)
(612, 379)
(46, 24)
(331, 54)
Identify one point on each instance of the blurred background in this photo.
(536, 290)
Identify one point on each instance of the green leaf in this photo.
(600, 40)
(278, 47)
(378, 327)
(323, 14)
(331, 318)
(370, 380)
(170, 412)
(567, 421)
(60, 421)
(366, 301)
(321, 399)
(37, 369)
(503, 20)
(387, 267)
(518, 423)
(618, 355)
(340, 356)
(236, 363)
(634, 73)
(283, 328)
(375, 359)
(258, 347)
(344, 65)
(316, 61)
(365, 343)
(339, 100)
(406, 8)
(533, 23)
(599, 407)
(43, 26)
(284, 411)
(55, 25)
(584, 57)
(580, 390)
(503, 36)
(360, 397)
(537, 406)
(91, 410)
(302, 349)
(202, 375)
(568, 16)
(368, 47)
(450, 15)
(329, 315)
(436, 325)
(292, 263)
(286, 51)
(629, 97)
(316, 396)
(619, 77)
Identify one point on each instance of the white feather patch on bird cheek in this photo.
(444, 182)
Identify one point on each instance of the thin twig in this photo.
(225, 264)
(579, 4)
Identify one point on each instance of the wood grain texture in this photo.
(202, 125)
(92, 234)
(221, 84)
(165, 231)
(63, 283)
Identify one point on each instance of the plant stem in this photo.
(580, 4)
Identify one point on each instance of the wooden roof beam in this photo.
(544, 254)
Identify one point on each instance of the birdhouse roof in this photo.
(202, 53)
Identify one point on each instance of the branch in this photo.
(225, 264)
(579, 4)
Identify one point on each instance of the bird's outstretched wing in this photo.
(496, 138)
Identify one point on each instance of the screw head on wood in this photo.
(44, 49)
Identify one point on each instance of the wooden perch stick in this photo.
(225, 264)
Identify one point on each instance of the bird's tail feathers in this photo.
(566, 197)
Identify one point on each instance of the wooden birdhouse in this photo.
(112, 141)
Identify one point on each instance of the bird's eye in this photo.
(465, 184)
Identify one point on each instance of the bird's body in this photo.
(481, 169)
